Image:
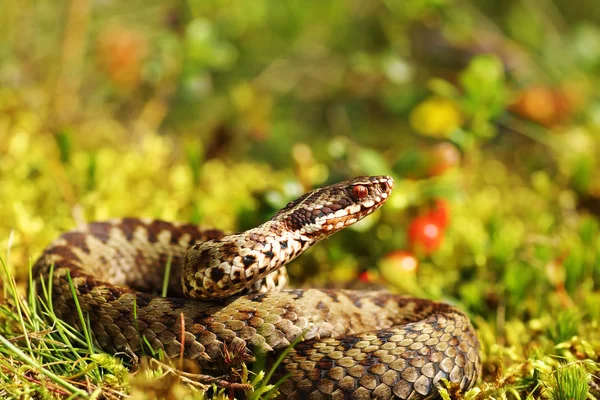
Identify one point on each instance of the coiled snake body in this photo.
(355, 344)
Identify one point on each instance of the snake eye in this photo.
(360, 191)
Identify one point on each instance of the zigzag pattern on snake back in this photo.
(355, 344)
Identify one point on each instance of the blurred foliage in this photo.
(219, 113)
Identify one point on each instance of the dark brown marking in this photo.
(368, 361)
(258, 297)
(333, 296)
(194, 232)
(129, 225)
(157, 226)
(384, 335)
(216, 274)
(208, 234)
(228, 248)
(101, 230)
(65, 252)
(77, 239)
(322, 306)
(335, 207)
(325, 363)
(297, 293)
(283, 244)
(175, 237)
(248, 260)
(114, 292)
(85, 287)
(348, 342)
(203, 258)
(177, 303)
(142, 300)
(380, 301)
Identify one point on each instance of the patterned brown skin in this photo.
(219, 268)
(354, 344)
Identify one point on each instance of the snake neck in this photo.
(222, 267)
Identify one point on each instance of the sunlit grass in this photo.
(42, 357)
(570, 383)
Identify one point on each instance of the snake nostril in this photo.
(385, 186)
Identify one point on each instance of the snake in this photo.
(227, 302)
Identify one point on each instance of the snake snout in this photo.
(386, 184)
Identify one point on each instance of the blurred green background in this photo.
(486, 114)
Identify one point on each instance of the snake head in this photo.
(326, 210)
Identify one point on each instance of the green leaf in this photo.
(485, 94)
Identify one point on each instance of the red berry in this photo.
(440, 213)
(364, 277)
(425, 233)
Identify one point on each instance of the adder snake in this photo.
(355, 344)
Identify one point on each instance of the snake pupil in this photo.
(360, 191)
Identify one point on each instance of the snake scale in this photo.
(228, 292)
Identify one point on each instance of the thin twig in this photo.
(48, 385)
(201, 378)
(182, 340)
